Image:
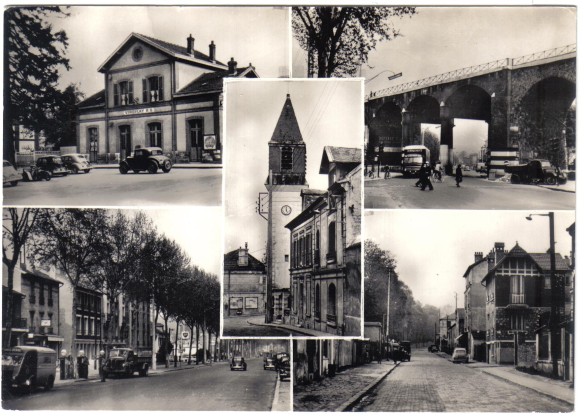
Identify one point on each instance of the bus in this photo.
(412, 158)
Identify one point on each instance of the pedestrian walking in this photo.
(459, 175)
(421, 175)
(425, 181)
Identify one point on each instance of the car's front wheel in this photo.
(123, 168)
(152, 168)
(166, 166)
(75, 170)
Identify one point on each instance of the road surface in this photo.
(107, 187)
(474, 194)
(432, 383)
(204, 388)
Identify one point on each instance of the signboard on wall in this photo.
(251, 302)
(235, 302)
(46, 323)
(209, 142)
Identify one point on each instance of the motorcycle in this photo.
(36, 174)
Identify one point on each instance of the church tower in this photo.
(284, 183)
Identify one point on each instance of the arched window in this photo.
(317, 304)
(155, 135)
(331, 241)
(332, 302)
(286, 158)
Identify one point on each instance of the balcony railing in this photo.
(517, 298)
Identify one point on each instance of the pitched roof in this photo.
(167, 48)
(287, 129)
(231, 263)
(543, 261)
(96, 100)
(214, 81)
(339, 155)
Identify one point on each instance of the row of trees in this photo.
(34, 55)
(116, 253)
(408, 318)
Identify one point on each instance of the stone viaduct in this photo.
(523, 100)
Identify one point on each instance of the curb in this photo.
(556, 189)
(276, 395)
(297, 330)
(546, 394)
(355, 398)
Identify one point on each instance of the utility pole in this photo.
(388, 305)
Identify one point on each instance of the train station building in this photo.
(159, 94)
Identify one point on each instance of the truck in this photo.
(537, 171)
(127, 361)
(412, 159)
(28, 367)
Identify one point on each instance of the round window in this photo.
(137, 53)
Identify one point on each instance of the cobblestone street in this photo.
(432, 383)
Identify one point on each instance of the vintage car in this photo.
(146, 159)
(537, 171)
(459, 355)
(269, 363)
(285, 369)
(432, 348)
(10, 175)
(52, 164)
(237, 364)
(28, 367)
(125, 362)
(76, 163)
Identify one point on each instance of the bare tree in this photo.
(339, 39)
(16, 228)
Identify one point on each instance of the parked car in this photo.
(10, 174)
(185, 355)
(146, 159)
(285, 369)
(52, 164)
(269, 363)
(459, 355)
(537, 171)
(280, 358)
(76, 162)
(28, 367)
(125, 361)
(432, 348)
(238, 363)
(34, 173)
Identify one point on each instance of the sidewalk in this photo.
(93, 374)
(553, 388)
(340, 392)
(259, 321)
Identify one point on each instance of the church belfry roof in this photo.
(287, 129)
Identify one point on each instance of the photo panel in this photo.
(293, 192)
(137, 119)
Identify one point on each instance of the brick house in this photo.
(518, 301)
(157, 93)
(244, 284)
(325, 269)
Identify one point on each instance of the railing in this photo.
(26, 159)
(468, 72)
(517, 298)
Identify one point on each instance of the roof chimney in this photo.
(499, 248)
(232, 67)
(490, 259)
(477, 256)
(190, 44)
(212, 52)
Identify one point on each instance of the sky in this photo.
(196, 230)
(433, 248)
(329, 112)
(441, 39)
(250, 35)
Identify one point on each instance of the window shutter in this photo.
(116, 95)
(130, 92)
(161, 97)
(145, 91)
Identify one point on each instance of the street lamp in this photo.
(556, 296)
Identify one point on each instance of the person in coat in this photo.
(459, 175)
(425, 181)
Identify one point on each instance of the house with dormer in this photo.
(518, 304)
(157, 93)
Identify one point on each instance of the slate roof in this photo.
(340, 155)
(96, 100)
(231, 263)
(543, 261)
(214, 81)
(177, 49)
(287, 129)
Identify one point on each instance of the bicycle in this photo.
(437, 176)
